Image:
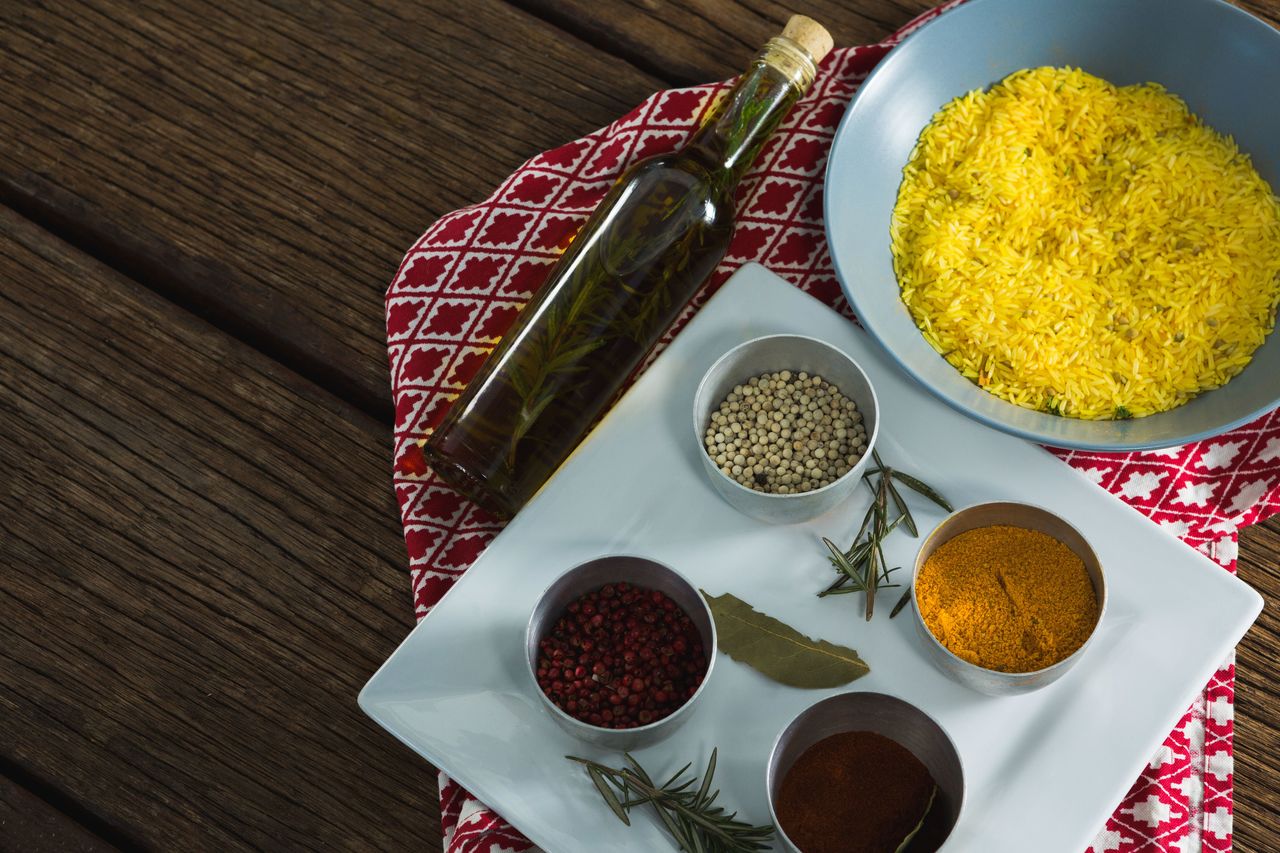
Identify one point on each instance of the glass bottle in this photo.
(650, 244)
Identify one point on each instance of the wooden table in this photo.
(200, 559)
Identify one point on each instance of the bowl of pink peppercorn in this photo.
(619, 648)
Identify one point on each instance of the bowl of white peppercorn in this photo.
(785, 425)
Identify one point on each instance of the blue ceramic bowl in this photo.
(1222, 61)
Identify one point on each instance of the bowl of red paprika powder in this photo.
(864, 773)
(619, 649)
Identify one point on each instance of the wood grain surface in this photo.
(200, 561)
(39, 827)
(1257, 733)
(267, 164)
(697, 42)
(202, 565)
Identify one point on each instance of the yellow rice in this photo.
(1085, 249)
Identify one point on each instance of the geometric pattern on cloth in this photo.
(462, 283)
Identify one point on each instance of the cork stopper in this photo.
(810, 35)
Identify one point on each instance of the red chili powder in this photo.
(856, 792)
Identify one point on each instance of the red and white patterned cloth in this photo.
(463, 282)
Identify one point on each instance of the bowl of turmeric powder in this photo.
(1007, 597)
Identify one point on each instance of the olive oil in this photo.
(646, 250)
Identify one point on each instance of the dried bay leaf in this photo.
(779, 651)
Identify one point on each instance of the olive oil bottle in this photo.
(645, 251)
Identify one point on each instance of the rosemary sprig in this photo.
(595, 306)
(625, 275)
(863, 568)
(928, 806)
(691, 816)
(902, 602)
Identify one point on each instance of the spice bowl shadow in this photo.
(592, 575)
(773, 353)
(893, 718)
(1030, 517)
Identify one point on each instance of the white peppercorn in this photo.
(785, 433)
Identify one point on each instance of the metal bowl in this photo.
(990, 681)
(591, 575)
(768, 354)
(885, 715)
(1222, 61)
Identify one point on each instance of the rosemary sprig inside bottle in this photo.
(690, 815)
(863, 568)
(646, 250)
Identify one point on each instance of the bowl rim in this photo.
(530, 643)
(965, 9)
(843, 696)
(857, 467)
(1100, 595)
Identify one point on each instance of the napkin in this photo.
(463, 282)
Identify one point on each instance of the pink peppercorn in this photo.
(598, 662)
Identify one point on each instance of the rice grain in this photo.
(1085, 249)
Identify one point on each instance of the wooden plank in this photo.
(202, 565)
(1268, 10)
(687, 42)
(30, 824)
(267, 163)
(1257, 730)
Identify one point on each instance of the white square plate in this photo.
(1049, 766)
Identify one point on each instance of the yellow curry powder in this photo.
(1007, 598)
